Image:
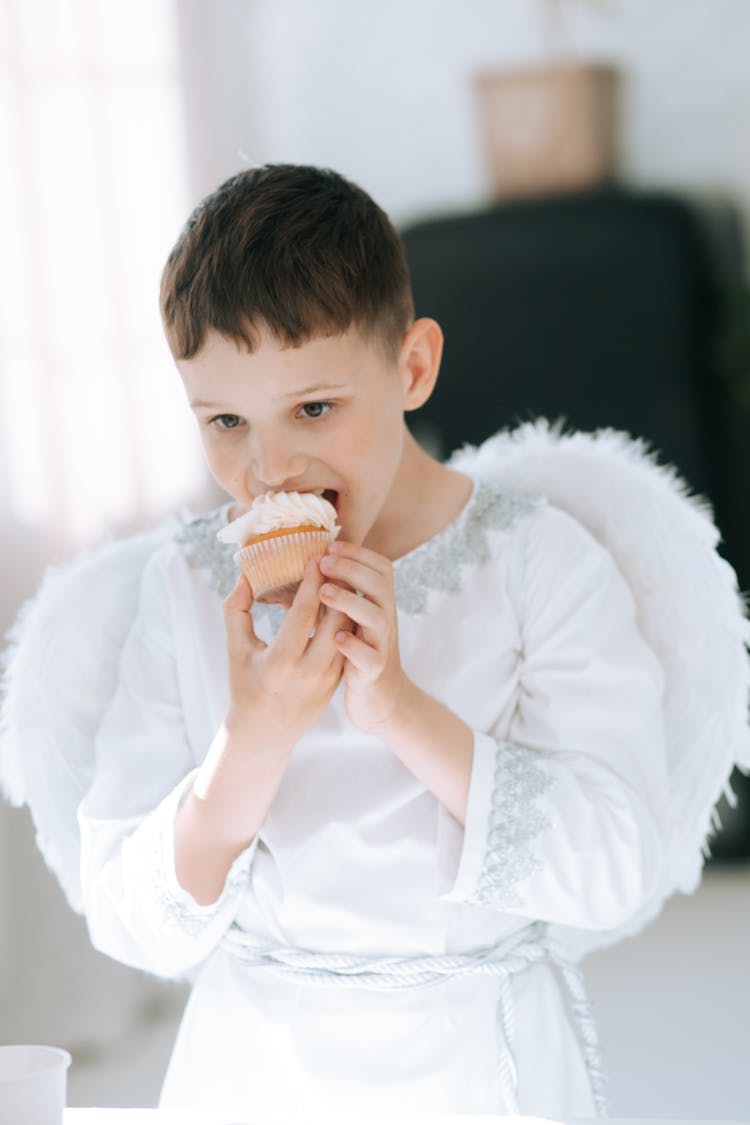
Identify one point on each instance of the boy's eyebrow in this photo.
(315, 390)
(196, 403)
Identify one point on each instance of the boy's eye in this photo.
(226, 421)
(316, 409)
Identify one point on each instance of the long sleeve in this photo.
(563, 820)
(136, 910)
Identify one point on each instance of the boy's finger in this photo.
(340, 548)
(374, 584)
(302, 616)
(237, 619)
(331, 622)
(363, 612)
(322, 651)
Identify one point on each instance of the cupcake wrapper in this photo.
(277, 565)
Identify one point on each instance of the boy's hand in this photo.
(359, 582)
(277, 691)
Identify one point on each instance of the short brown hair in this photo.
(296, 248)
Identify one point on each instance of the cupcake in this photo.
(277, 537)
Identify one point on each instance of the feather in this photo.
(54, 692)
(689, 610)
(663, 539)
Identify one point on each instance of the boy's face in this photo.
(328, 414)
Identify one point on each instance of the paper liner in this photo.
(276, 566)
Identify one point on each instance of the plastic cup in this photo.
(33, 1084)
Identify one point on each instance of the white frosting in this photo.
(274, 510)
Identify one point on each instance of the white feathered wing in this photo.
(61, 667)
(689, 611)
(60, 673)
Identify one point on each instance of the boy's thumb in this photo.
(237, 619)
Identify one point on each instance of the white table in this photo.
(165, 1117)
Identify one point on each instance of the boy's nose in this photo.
(273, 469)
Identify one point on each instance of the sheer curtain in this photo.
(95, 435)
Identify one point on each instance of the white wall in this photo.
(383, 92)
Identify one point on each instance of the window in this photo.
(95, 433)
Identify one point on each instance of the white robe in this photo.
(519, 621)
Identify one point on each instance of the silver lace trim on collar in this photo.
(205, 552)
(437, 566)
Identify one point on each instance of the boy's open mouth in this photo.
(332, 496)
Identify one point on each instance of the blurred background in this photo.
(572, 182)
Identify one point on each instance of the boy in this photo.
(367, 824)
(356, 779)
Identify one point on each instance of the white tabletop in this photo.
(104, 1116)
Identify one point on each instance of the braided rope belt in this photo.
(528, 946)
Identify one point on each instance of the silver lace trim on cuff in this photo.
(515, 823)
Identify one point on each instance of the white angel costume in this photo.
(367, 950)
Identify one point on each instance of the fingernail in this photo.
(328, 590)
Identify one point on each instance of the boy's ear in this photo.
(421, 352)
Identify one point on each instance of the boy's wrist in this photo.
(238, 758)
(234, 788)
(409, 702)
(252, 735)
(435, 744)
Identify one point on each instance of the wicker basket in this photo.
(548, 129)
